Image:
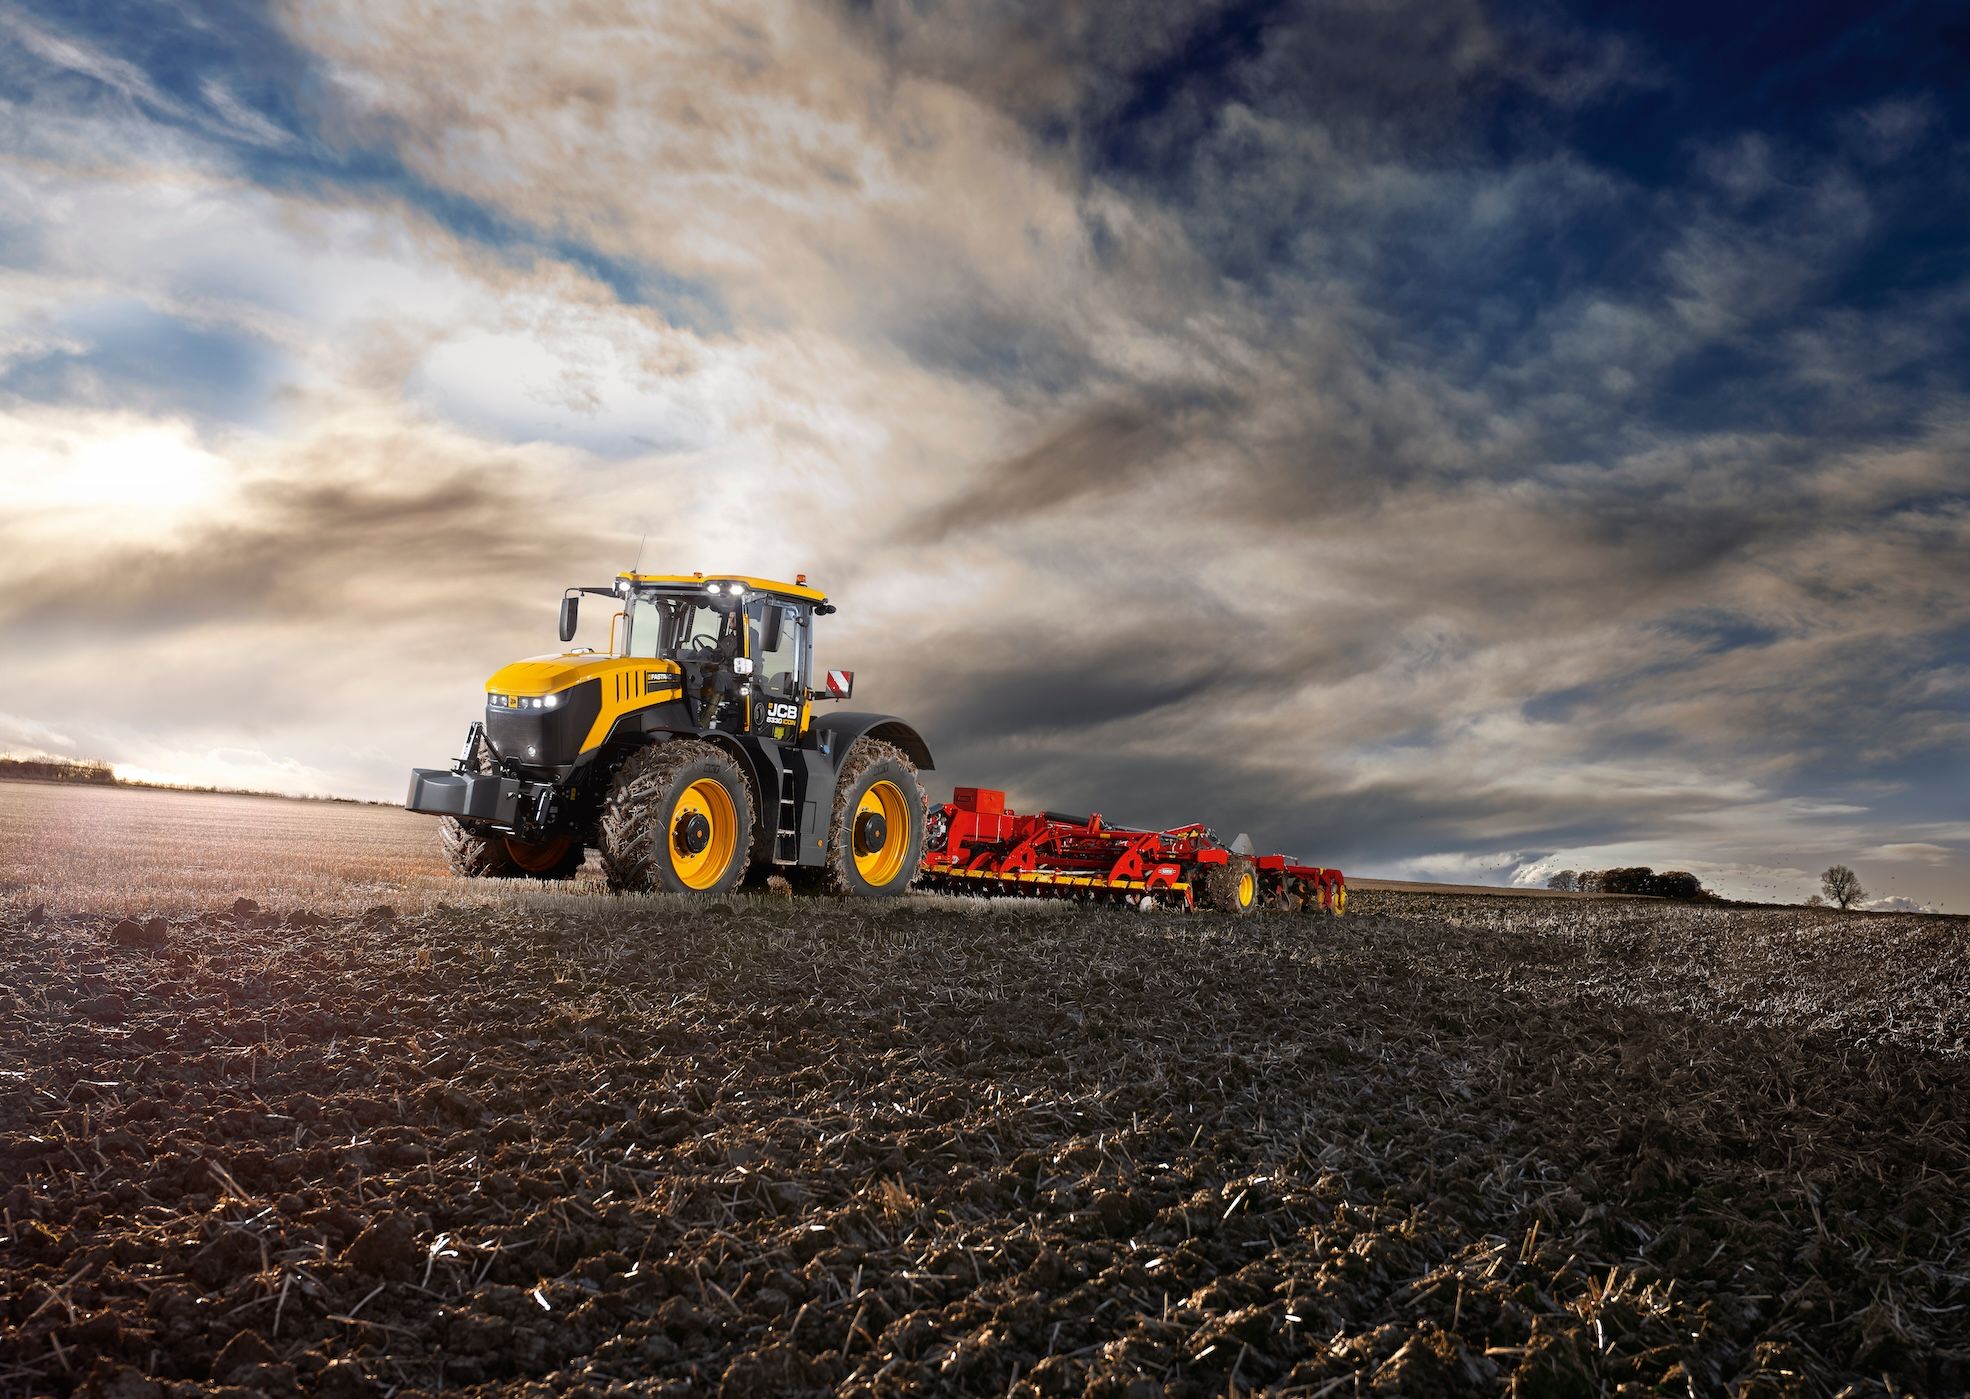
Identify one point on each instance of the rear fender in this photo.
(835, 734)
(755, 759)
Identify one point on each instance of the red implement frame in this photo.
(977, 845)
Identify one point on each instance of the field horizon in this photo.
(165, 846)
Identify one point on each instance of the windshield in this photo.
(679, 628)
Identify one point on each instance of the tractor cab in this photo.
(742, 647)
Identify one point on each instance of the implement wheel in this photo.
(1232, 887)
(678, 820)
(876, 836)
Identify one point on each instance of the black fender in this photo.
(835, 733)
(760, 760)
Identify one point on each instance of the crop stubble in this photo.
(1449, 1144)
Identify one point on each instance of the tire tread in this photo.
(866, 753)
(631, 830)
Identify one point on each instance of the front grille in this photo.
(545, 738)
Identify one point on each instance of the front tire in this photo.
(678, 820)
(476, 853)
(876, 835)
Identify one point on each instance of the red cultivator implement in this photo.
(975, 845)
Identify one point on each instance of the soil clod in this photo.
(387, 1248)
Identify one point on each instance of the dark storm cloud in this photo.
(1100, 450)
(1314, 814)
(1121, 664)
(311, 552)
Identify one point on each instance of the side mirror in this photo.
(570, 602)
(770, 627)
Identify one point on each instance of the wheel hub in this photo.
(692, 834)
(871, 833)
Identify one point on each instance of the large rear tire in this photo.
(876, 834)
(678, 820)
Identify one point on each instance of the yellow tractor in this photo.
(690, 756)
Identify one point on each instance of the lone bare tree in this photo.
(1815, 901)
(1843, 886)
(1566, 881)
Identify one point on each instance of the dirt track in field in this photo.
(1444, 1145)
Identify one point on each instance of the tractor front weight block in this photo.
(473, 796)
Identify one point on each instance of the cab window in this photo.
(680, 629)
(646, 629)
(777, 671)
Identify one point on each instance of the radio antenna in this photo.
(639, 552)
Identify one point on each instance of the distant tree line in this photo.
(1635, 879)
(57, 770)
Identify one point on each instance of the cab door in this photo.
(779, 669)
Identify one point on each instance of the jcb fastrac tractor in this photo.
(690, 756)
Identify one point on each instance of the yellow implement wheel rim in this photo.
(880, 867)
(1340, 900)
(1247, 889)
(538, 857)
(708, 798)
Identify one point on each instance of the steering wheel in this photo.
(703, 643)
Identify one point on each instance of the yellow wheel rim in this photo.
(706, 798)
(1340, 902)
(880, 867)
(1247, 887)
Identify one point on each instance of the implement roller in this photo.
(976, 845)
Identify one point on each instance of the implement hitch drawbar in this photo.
(976, 845)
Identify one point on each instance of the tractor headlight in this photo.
(527, 701)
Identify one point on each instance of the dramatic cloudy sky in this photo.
(1447, 440)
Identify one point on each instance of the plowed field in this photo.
(541, 1143)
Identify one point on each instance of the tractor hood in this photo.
(546, 675)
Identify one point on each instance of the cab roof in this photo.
(756, 585)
